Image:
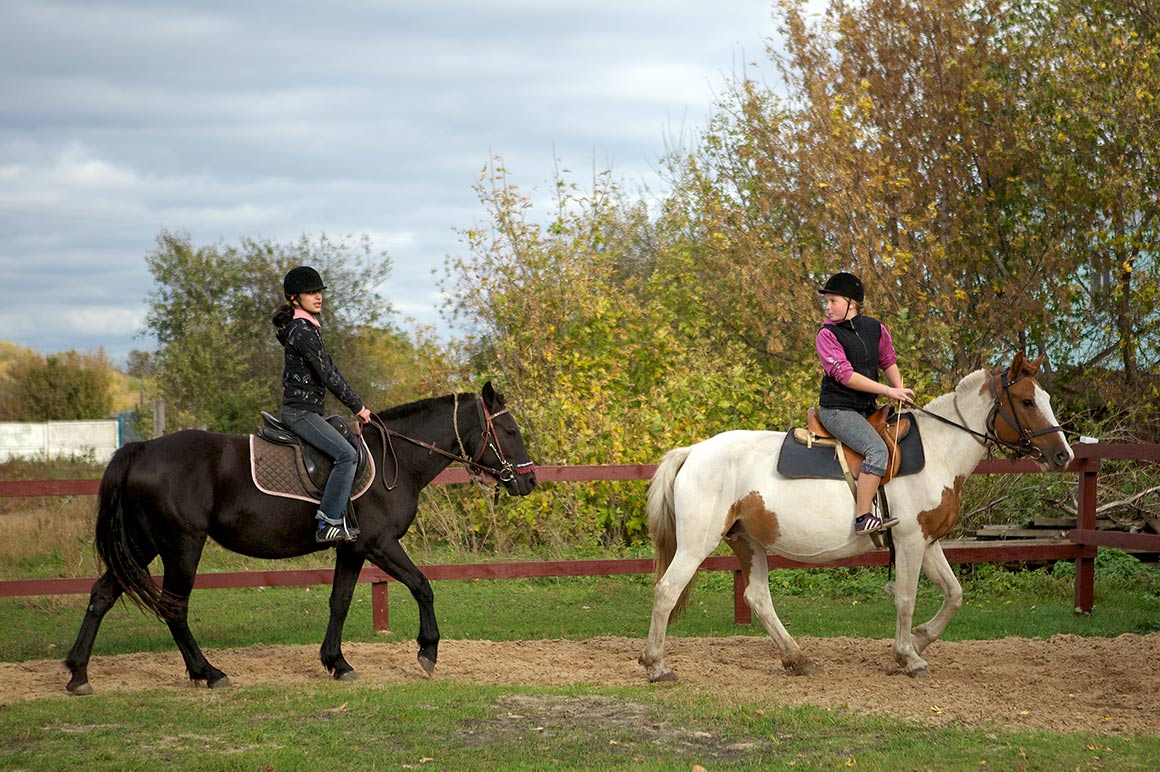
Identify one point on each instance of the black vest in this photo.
(859, 338)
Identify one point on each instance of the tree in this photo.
(583, 313)
(893, 154)
(60, 387)
(1092, 112)
(218, 362)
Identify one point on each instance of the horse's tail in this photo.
(121, 546)
(662, 519)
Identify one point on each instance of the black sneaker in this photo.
(871, 523)
(333, 532)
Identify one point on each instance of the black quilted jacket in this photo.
(309, 370)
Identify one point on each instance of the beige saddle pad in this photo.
(279, 471)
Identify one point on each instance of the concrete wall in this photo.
(59, 438)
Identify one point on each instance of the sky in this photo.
(269, 120)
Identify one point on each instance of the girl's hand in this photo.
(902, 394)
(364, 415)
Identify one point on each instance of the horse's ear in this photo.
(490, 395)
(1021, 366)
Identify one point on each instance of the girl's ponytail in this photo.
(283, 316)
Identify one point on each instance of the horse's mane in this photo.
(942, 404)
(402, 412)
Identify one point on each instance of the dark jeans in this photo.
(313, 429)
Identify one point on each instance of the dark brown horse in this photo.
(166, 496)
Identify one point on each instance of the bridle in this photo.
(1000, 387)
(506, 471)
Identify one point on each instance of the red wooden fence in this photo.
(1080, 547)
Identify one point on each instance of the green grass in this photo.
(815, 602)
(446, 725)
(449, 726)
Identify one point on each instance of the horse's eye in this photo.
(1028, 403)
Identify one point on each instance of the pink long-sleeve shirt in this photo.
(833, 356)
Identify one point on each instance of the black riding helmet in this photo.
(845, 284)
(302, 279)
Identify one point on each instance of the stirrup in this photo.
(332, 531)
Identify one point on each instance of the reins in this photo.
(504, 474)
(991, 438)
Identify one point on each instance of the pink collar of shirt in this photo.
(300, 314)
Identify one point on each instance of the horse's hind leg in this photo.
(669, 595)
(938, 570)
(105, 593)
(346, 571)
(754, 563)
(180, 570)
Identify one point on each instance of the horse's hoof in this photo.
(803, 667)
(81, 690)
(663, 677)
(920, 672)
(349, 675)
(219, 683)
(428, 665)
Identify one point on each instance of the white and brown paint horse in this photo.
(727, 487)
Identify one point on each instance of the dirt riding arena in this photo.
(1066, 683)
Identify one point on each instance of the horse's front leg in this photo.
(938, 570)
(908, 560)
(388, 554)
(346, 570)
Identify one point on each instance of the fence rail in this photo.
(1080, 546)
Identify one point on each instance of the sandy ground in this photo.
(1066, 683)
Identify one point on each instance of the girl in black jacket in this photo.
(308, 373)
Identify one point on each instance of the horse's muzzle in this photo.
(1056, 460)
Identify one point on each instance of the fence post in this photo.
(380, 607)
(1085, 567)
(741, 613)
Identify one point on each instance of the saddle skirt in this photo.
(810, 452)
(282, 465)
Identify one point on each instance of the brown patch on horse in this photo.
(742, 548)
(750, 515)
(937, 523)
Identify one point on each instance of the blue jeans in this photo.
(312, 428)
(856, 432)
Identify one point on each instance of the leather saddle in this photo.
(891, 427)
(317, 464)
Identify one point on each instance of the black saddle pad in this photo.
(799, 461)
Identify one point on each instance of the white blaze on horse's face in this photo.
(1057, 453)
(1031, 407)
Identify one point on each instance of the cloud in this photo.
(267, 120)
